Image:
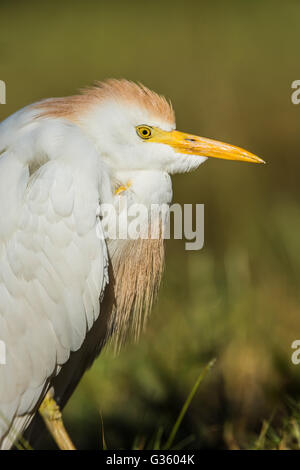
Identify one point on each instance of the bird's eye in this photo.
(144, 132)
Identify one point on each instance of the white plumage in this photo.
(59, 160)
(53, 267)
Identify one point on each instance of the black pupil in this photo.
(145, 132)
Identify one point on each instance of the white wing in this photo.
(53, 265)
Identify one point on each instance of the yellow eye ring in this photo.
(145, 132)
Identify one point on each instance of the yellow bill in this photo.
(194, 145)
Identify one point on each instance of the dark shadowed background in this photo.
(228, 68)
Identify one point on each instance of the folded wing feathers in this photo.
(53, 266)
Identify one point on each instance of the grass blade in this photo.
(187, 404)
(104, 446)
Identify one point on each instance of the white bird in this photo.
(64, 290)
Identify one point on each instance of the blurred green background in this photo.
(228, 68)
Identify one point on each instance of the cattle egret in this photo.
(64, 288)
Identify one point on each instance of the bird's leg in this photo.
(51, 414)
